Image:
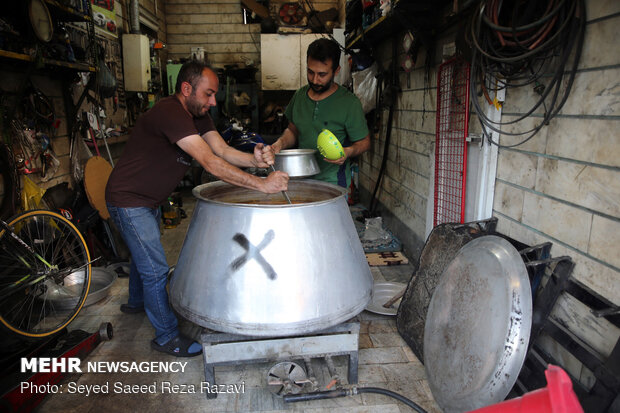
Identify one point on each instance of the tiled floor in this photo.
(385, 361)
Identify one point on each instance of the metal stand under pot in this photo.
(286, 377)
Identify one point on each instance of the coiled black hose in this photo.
(331, 394)
(519, 47)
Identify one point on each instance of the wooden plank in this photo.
(386, 258)
(598, 333)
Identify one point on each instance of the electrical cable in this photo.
(528, 44)
(392, 394)
(392, 88)
(331, 394)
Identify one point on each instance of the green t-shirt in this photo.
(341, 113)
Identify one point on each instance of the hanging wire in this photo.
(521, 43)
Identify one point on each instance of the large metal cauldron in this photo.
(253, 265)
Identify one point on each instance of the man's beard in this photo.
(195, 108)
(321, 88)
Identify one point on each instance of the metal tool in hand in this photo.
(273, 169)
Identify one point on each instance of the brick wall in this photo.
(216, 25)
(562, 186)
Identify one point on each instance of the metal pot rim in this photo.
(296, 152)
(336, 191)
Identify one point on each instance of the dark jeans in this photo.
(149, 269)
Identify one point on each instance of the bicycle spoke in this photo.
(35, 298)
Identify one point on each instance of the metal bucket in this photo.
(297, 163)
(253, 265)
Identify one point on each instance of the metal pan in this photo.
(297, 163)
(66, 296)
(478, 326)
(382, 292)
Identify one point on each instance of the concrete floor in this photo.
(385, 361)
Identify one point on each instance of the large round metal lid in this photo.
(478, 326)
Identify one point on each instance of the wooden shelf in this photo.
(114, 139)
(68, 13)
(17, 56)
(82, 67)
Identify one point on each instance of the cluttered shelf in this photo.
(68, 13)
(367, 31)
(83, 67)
(381, 28)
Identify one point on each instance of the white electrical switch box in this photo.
(136, 62)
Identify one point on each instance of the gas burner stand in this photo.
(233, 349)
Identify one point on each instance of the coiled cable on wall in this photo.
(524, 43)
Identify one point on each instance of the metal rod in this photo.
(273, 169)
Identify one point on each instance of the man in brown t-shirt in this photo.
(159, 152)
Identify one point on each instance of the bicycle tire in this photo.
(40, 295)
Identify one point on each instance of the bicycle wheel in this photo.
(45, 273)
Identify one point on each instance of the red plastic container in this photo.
(557, 397)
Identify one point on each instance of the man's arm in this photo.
(288, 138)
(263, 155)
(358, 147)
(196, 147)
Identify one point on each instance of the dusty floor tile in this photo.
(386, 325)
(382, 355)
(387, 340)
(365, 342)
(371, 373)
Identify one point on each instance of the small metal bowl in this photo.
(67, 296)
(297, 163)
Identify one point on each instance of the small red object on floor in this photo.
(557, 397)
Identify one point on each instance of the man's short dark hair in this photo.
(190, 72)
(324, 49)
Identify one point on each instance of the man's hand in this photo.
(276, 181)
(263, 155)
(338, 161)
(352, 151)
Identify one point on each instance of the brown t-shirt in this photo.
(152, 165)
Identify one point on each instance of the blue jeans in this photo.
(148, 275)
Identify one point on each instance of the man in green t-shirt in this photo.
(323, 104)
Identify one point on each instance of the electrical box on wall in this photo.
(136, 62)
